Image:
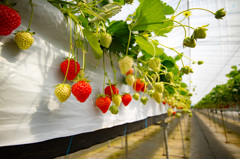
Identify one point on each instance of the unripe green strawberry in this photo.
(117, 99)
(184, 110)
(130, 79)
(125, 64)
(220, 14)
(190, 114)
(63, 92)
(189, 111)
(150, 93)
(154, 63)
(114, 109)
(169, 75)
(128, 1)
(189, 42)
(157, 97)
(159, 87)
(169, 111)
(200, 62)
(199, 33)
(144, 100)
(24, 39)
(178, 115)
(186, 69)
(105, 40)
(136, 96)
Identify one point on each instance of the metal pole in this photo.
(185, 125)
(163, 142)
(214, 122)
(208, 117)
(225, 132)
(164, 126)
(184, 155)
(226, 122)
(126, 146)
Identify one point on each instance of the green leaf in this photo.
(121, 2)
(107, 12)
(183, 85)
(168, 61)
(178, 57)
(168, 10)
(147, 46)
(170, 89)
(149, 15)
(94, 43)
(120, 36)
(174, 70)
(234, 67)
(84, 21)
(164, 28)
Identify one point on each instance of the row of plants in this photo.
(142, 59)
(225, 95)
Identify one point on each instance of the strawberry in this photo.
(114, 109)
(178, 115)
(144, 100)
(138, 84)
(136, 96)
(73, 69)
(144, 88)
(105, 40)
(169, 75)
(154, 63)
(9, 20)
(159, 87)
(189, 42)
(108, 91)
(81, 90)
(173, 113)
(130, 79)
(117, 99)
(190, 114)
(169, 111)
(200, 62)
(126, 99)
(220, 13)
(24, 39)
(150, 93)
(125, 64)
(157, 97)
(63, 92)
(130, 72)
(200, 33)
(103, 103)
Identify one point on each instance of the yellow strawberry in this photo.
(24, 39)
(125, 64)
(63, 92)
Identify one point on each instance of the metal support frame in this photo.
(165, 135)
(225, 131)
(184, 155)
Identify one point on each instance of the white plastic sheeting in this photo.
(29, 110)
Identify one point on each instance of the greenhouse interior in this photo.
(120, 79)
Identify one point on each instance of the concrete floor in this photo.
(203, 139)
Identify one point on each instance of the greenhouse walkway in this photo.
(206, 143)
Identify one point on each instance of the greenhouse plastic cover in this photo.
(29, 110)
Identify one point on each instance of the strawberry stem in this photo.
(28, 29)
(113, 67)
(129, 39)
(176, 9)
(104, 72)
(183, 27)
(195, 9)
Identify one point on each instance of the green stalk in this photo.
(104, 74)
(195, 9)
(176, 9)
(28, 29)
(183, 27)
(129, 39)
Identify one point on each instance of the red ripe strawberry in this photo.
(143, 88)
(130, 72)
(103, 103)
(73, 69)
(173, 113)
(126, 99)
(164, 103)
(108, 91)
(81, 90)
(9, 20)
(138, 84)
